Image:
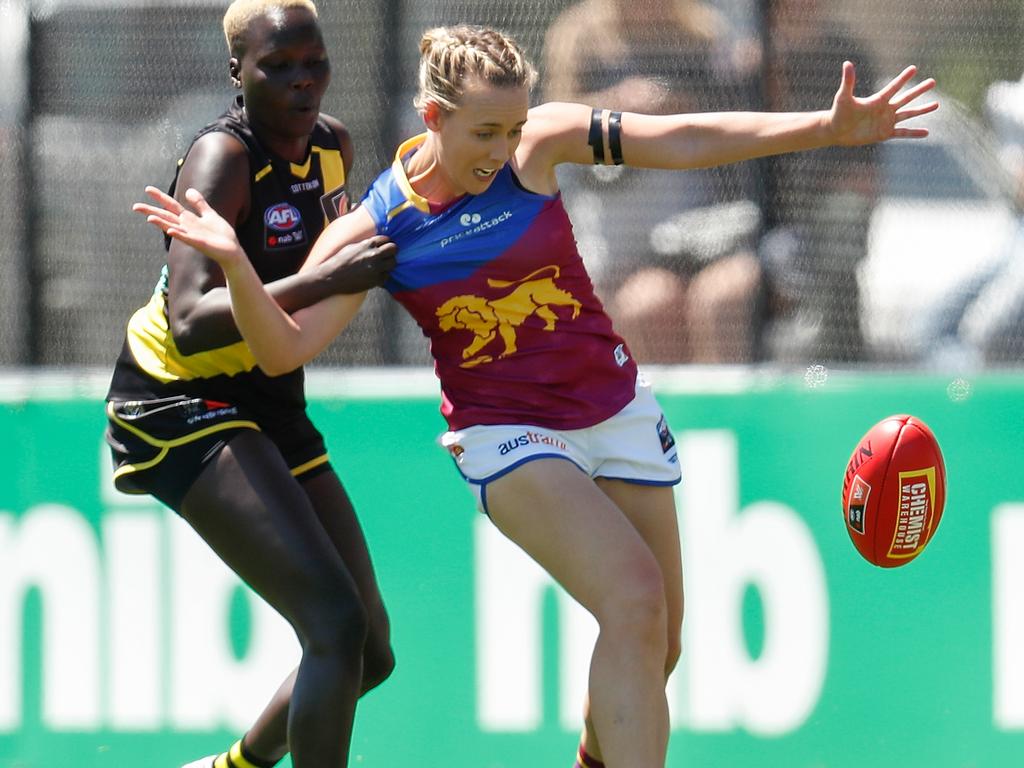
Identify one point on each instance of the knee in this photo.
(338, 625)
(673, 652)
(378, 656)
(675, 637)
(638, 607)
(378, 664)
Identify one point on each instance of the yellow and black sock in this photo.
(239, 757)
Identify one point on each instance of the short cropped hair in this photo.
(241, 13)
(449, 55)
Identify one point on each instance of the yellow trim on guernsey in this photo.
(166, 445)
(302, 171)
(332, 168)
(263, 172)
(153, 348)
(412, 197)
(399, 208)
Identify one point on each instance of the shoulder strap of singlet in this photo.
(232, 122)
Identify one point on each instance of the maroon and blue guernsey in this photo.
(496, 283)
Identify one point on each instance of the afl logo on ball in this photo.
(282, 217)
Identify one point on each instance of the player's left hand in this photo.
(203, 229)
(856, 120)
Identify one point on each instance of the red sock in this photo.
(583, 760)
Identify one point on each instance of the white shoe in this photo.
(203, 762)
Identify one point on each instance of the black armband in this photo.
(595, 138)
(615, 136)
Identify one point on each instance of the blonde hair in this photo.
(241, 13)
(449, 55)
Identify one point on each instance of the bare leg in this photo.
(268, 736)
(267, 739)
(256, 517)
(563, 520)
(652, 511)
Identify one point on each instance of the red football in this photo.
(894, 491)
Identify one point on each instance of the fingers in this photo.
(896, 101)
(849, 80)
(164, 200)
(195, 197)
(906, 114)
(152, 210)
(165, 214)
(170, 228)
(905, 98)
(389, 255)
(898, 82)
(159, 223)
(910, 133)
(387, 252)
(376, 241)
(382, 252)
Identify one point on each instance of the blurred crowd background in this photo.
(908, 255)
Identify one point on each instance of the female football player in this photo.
(564, 445)
(195, 422)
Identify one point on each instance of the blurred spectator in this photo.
(817, 204)
(993, 323)
(670, 253)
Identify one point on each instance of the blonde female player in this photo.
(565, 447)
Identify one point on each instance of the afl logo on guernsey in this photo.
(282, 217)
(282, 226)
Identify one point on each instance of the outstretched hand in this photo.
(865, 120)
(202, 228)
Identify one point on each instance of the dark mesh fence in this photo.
(14, 227)
(906, 254)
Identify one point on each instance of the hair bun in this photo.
(437, 37)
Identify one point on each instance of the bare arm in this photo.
(199, 305)
(559, 132)
(280, 342)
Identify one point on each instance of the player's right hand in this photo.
(360, 266)
(202, 228)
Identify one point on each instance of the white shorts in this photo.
(634, 445)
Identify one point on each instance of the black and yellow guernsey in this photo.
(290, 205)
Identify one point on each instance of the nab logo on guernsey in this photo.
(283, 226)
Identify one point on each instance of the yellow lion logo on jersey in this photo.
(494, 318)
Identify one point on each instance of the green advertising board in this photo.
(123, 642)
